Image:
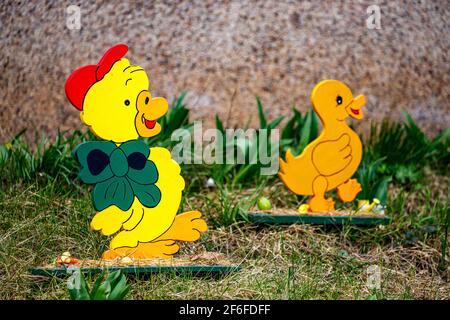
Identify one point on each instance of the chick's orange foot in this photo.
(187, 226)
(157, 249)
(348, 191)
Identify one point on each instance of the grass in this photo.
(292, 262)
(46, 211)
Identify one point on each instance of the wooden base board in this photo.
(274, 217)
(203, 269)
(201, 263)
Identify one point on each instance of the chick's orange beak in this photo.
(354, 109)
(149, 110)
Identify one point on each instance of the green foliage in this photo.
(443, 210)
(399, 152)
(246, 145)
(232, 206)
(406, 149)
(37, 223)
(50, 161)
(373, 184)
(114, 287)
(392, 152)
(262, 118)
(300, 131)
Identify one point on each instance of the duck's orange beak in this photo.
(149, 110)
(354, 109)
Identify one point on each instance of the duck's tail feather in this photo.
(284, 165)
(292, 174)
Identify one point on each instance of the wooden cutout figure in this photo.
(329, 161)
(137, 190)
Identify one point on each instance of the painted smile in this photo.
(354, 111)
(150, 124)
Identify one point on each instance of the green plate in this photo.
(316, 219)
(204, 269)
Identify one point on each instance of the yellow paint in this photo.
(120, 108)
(304, 208)
(187, 226)
(114, 108)
(348, 191)
(364, 205)
(367, 207)
(329, 161)
(141, 224)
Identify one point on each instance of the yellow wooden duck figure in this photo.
(137, 189)
(329, 161)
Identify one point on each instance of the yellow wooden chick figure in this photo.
(329, 161)
(137, 190)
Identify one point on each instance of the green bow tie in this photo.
(119, 173)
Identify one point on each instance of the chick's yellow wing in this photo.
(110, 220)
(147, 224)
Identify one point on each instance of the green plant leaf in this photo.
(288, 131)
(305, 132)
(120, 289)
(3, 153)
(381, 190)
(262, 118)
(102, 291)
(98, 282)
(314, 126)
(219, 125)
(274, 123)
(178, 103)
(114, 277)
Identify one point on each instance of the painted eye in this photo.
(127, 102)
(339, 100)
(147, 100)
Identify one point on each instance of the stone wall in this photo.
(226, 52)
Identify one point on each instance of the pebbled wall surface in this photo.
(226, 52)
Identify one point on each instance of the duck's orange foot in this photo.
(187, 226)
(320, 204)
(348, 191)
(149, 250)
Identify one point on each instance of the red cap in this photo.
(82, 79)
